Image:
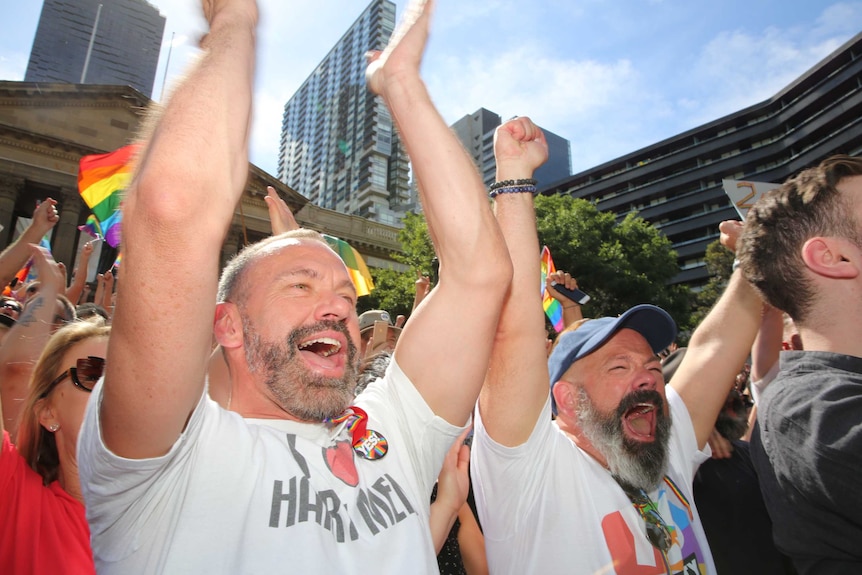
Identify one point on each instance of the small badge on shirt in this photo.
(371, 446)
(367, 443)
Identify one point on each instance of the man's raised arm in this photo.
(445, 346)
(187, 183)
(517, 383)
(718, 347)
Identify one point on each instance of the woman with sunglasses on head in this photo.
(43, 528)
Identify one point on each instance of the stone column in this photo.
(64, 245)
(10, 188)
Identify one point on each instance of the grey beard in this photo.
(633, 464)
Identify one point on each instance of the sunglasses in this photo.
(13, 305)
(85, 374)
(657, 531)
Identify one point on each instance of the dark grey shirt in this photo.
(807, 450)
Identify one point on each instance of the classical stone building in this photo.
(45, 128)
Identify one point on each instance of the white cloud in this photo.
(839, 19)
(597, 105)
(13, 66)
(737, 69)
(266, 131)
(527, 81)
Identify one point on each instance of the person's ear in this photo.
(830, 257)
(227, 326)
(565, 398)
(47, 415)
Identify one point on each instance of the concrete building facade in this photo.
(476, 132)
(125, 49)
(676, 184)
(339, 146)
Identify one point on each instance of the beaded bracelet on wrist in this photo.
(513, 190)
(509, 183)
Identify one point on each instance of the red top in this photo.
(42, 529)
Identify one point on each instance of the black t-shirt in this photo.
(807, 451)
(734, 517)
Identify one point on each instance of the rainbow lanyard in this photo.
(682, 498)
(367, 443)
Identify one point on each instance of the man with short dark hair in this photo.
(802, 248)
(606, 487)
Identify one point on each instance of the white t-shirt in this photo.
(759, 386)
(266, 496)
(548, 507)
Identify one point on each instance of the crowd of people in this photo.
(254, 422)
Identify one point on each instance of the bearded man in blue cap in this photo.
(606, 487)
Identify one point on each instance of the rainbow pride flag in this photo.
(356, 267)
(118, 261)
(102, 178)
(552, 307)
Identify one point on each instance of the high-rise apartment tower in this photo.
(476, 132)
(338, 145)
(125, 48)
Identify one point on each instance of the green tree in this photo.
(719, 265)
(620, 264)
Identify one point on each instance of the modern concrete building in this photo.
(125, 48)
(676, 183)
(339, 146)
(476, 132)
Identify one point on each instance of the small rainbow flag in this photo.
(552, 307)
(101, 181)
(92, 227)
(118, 261)
(355, 264)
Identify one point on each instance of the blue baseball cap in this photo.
(652, 322)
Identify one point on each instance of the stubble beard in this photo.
(634, 464)
(297, 389)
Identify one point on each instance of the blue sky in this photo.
(612, 76)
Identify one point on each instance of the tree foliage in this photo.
(393, 290)
(719, 264)
(618, 264)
